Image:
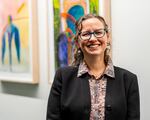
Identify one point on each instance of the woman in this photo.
(93, 89)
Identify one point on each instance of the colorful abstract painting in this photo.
(66, 12)
(15, 37)
(14, 33)
(94, 6)
(56, 8)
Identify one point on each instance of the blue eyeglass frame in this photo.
(90, 33)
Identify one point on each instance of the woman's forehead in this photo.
(92, 22)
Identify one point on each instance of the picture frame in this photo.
(60, 16)
(19, 60)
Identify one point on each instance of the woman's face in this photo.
(93, 45)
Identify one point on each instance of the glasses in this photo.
(97, 33)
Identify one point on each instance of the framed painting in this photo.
(62, 27)
(18, 41)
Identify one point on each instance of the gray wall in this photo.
(131, 43)
(21, 108)
(130, 34)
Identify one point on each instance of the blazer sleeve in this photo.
(53, 107)
(133, 101)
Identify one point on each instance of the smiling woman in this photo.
(92, 34)
(93, 88)
(94, 47)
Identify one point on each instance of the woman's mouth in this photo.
(93, 45)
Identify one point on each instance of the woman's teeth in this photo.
(93, 45)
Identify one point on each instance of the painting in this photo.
(94, 6)
(62, 15)
(66, 12)
(18, 41)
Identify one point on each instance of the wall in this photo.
(25, 101)
(21, 108)
(131, 40)
(130, 34)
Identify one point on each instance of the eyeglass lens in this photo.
(97, 33)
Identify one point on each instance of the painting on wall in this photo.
(18, 41)
(66, 12)
(62, 26)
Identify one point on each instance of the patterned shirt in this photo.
(97, 89)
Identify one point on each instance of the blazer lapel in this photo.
(86, 95)
(108, 99)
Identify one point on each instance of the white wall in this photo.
(131, 43)
(130, 34)
(21, 108)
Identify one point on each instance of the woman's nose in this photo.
(93, 38)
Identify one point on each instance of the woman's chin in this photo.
(93, 53)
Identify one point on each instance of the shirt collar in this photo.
(109, 71)
(83, 68)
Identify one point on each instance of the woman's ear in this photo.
(77, 43)
(108, 35)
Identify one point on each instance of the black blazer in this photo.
(70, 96)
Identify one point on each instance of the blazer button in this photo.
(108, 107)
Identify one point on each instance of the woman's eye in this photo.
(85, 34)
(98, 32)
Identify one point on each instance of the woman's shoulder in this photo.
(123, 71)
(67, 69)
(128, 77)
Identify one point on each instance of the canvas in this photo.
(16, 40)
(64, 44)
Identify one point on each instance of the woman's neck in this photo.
(96, 65)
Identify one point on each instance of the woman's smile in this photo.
(93, 45)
